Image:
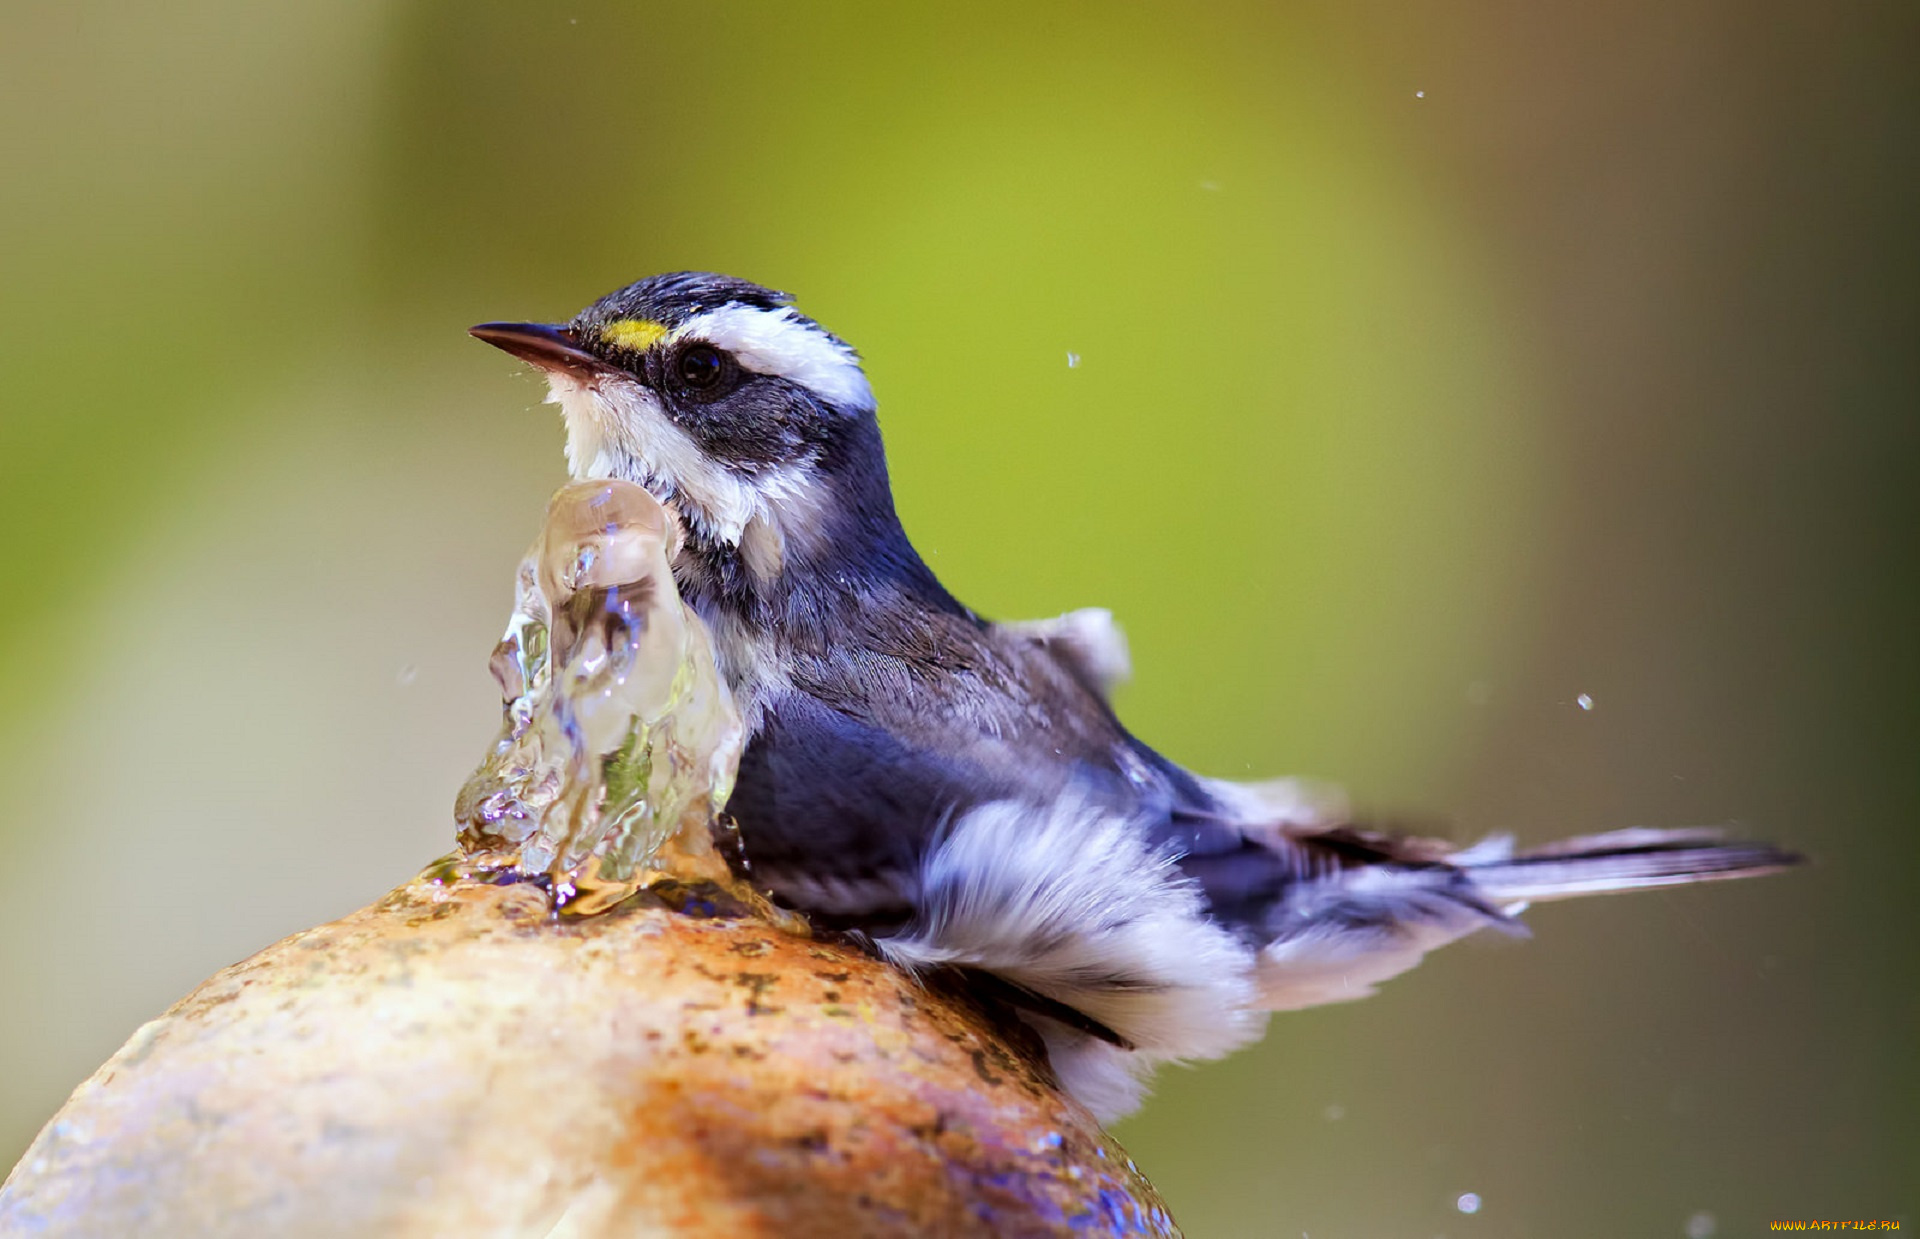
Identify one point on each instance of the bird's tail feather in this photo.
(1366, 907)
(1620, 860)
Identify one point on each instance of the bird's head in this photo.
(749, 419)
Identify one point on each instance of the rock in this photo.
(458, 1060)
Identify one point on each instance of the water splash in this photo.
(617, 731)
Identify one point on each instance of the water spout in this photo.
(617, 731)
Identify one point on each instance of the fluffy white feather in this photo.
(1332, 952)
(1109, 1081)
(1088, 640)
(1270, 806)
(1068, 901)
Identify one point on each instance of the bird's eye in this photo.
(700, 366)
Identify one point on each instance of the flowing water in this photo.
(616, 728)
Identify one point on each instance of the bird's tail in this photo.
(1620, 860)
(1365, 907)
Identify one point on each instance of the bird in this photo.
(960, 791)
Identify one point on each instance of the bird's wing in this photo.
(868, 747)
(836, 811)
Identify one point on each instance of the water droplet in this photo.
(585, 558)
(1702, 1225)
(1073, 361)
(1469, 1202)
(1419, 94)
(1583, 701)
(1212, 187)
(1335, 1112)
(407, 675)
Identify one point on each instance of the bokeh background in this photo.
(1438, 364)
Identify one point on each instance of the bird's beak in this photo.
(545, 345)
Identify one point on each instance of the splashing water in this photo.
(617, 730)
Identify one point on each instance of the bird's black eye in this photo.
(700, 366)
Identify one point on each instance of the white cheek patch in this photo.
(780, 342)
(617, 429)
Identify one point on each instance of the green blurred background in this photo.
(1439, 364)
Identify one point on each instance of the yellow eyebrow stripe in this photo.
(638, 334)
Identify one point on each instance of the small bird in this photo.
(961, 790)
